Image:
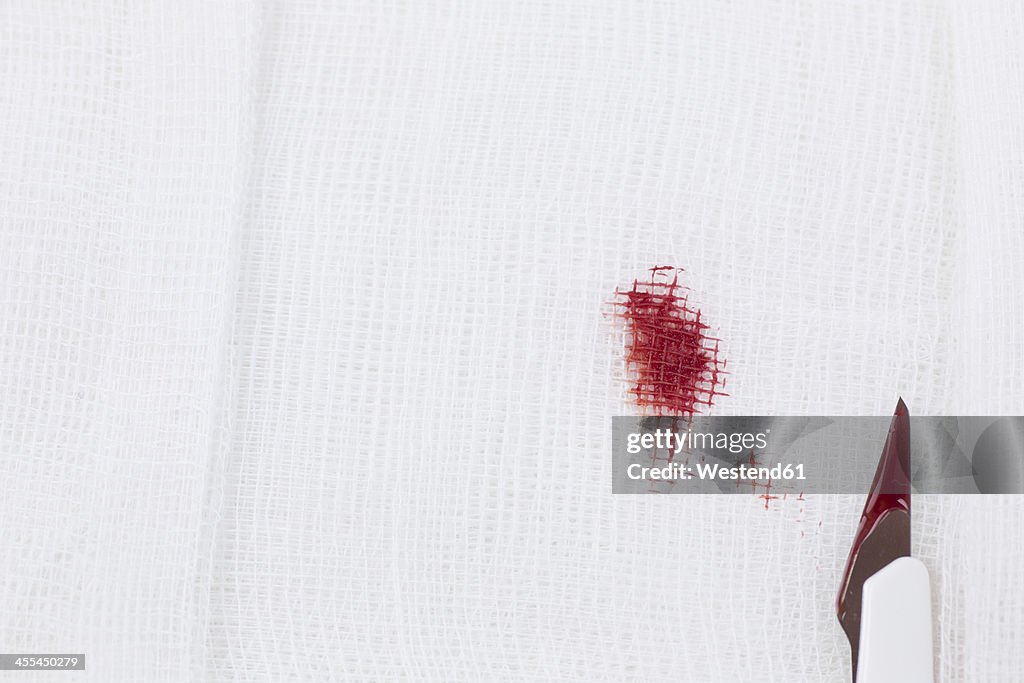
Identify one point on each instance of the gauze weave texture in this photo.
(306, 366)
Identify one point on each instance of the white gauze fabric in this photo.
(307, 368)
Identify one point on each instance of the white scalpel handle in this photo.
(896, 625)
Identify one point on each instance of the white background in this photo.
(305, 369)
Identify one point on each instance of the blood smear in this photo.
(672, 362)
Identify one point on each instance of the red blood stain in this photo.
(673, 363)
(766, 496)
